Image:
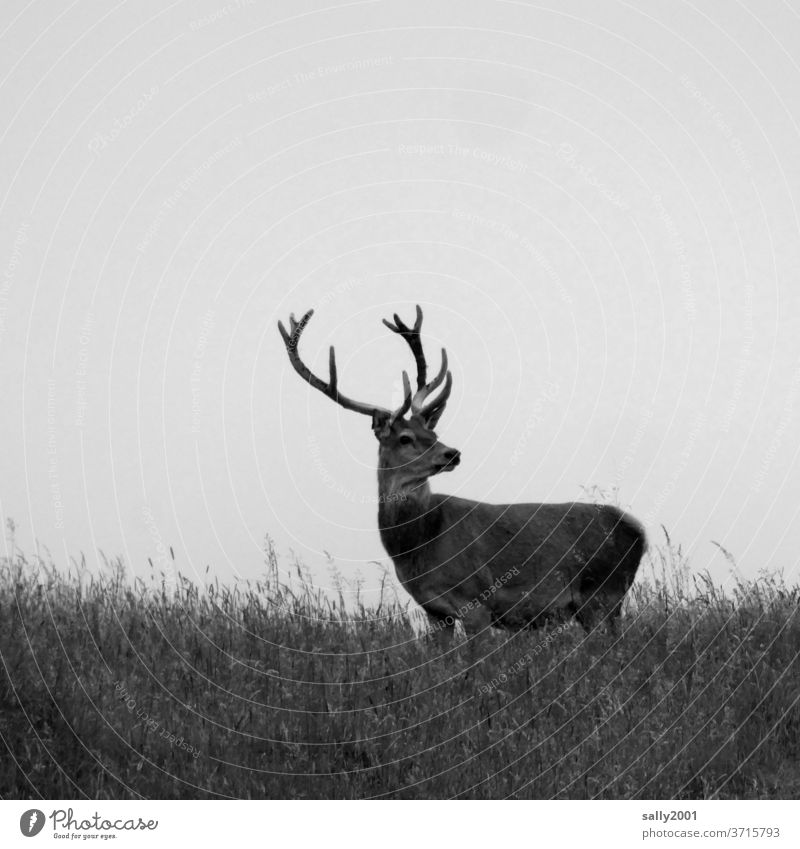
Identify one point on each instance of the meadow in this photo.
(163, 688)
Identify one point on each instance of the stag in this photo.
(511, 566)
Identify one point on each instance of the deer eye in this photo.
(406, 439)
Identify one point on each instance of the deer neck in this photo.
(407, 517)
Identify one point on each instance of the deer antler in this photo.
(331, 389)
(413, 336)
(434, 410)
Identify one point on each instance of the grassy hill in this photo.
(119, 689)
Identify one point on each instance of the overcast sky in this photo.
(595, 205)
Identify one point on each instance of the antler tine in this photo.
(295, 327)
(405, 406)
(401, 327)
(331, 388)
(333, 375)
(414, 339)
(435, 409)
(422, 394)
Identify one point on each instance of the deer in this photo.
(507, 566)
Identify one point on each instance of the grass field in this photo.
(118, 689)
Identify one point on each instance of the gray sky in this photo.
(593, 203)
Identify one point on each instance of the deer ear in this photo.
(380, 424)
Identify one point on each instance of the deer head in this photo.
(410, 451)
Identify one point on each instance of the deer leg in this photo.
(612, 620)
(442, 630)
(588, 612)
(597, 610)
(477, 621)
(477, 624)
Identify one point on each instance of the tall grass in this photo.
(112, 688)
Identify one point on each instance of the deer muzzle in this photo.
(449, 458)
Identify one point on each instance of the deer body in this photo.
(509, 565)
(513, 566)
